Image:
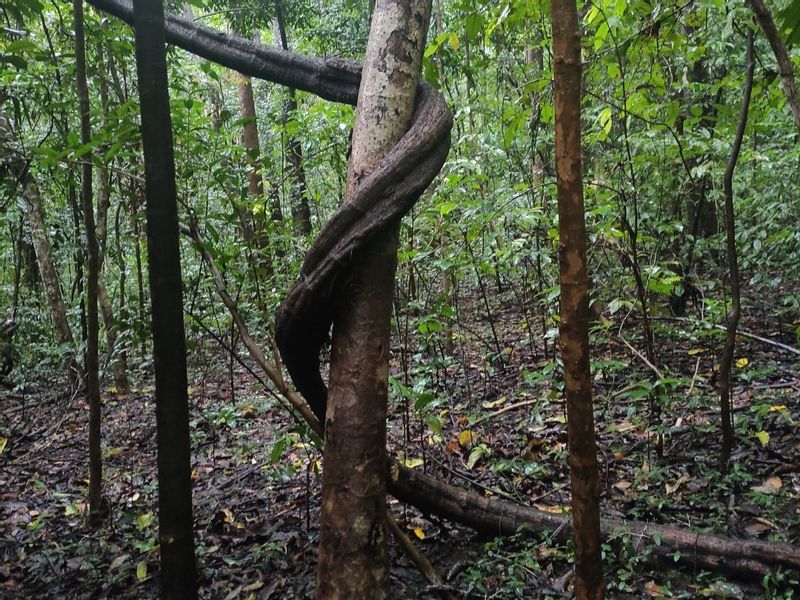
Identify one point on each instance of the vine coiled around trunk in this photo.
(378, 201)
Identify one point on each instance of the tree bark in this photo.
(178, 570)
(353, 558)
(767, 24)
(574, 326)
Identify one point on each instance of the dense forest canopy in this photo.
(694, 355)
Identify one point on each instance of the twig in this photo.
(418, 558)
(694, 377)
(643, 358)
(505, 409)
(753, 336)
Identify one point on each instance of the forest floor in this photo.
(491, 421)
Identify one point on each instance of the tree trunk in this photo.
(47, 269)
(255, 179)
(178, 570)
(767, 24)
(726, 411)
(301, 211)
(574, 327)
(117, 357)
(353, 559)
(34, 211)
(92, 366)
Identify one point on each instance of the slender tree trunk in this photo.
(767, 24)
(116, 356)
(301, 211)
(574, 328)
(47, 269)
(92, 320)
(726, 411)
(353, 559)
(178, 570)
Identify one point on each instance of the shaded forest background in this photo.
(476, 392)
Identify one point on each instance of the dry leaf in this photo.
(467, 438)
(770, 486)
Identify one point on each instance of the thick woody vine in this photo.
(377, 202)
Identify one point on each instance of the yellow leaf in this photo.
(742, 363)
(467, 438)
(454, 43)
(413, 463)
(763, 437)
(696, 351)
(141, 570)
(774, 408)
(115, 452)
(227, 515)
(419, 533)
(3, 444)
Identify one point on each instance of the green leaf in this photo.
(16, 61)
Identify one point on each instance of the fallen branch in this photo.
(743, 557)
(764, 340)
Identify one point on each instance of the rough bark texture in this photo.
(574, 327)
(92, 366)
(353, 557)
(767, 24)
(733, 267)
(178, 571)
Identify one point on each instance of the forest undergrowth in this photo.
(489, 421)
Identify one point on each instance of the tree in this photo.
(574, 327)
(178, 570)
(92, 366)
(726, 360)
(353, 559)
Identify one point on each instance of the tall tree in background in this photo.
(178, 571)
(353, 559)
(767, 24)
(301, 211)
(574, 328)
(92, 320)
